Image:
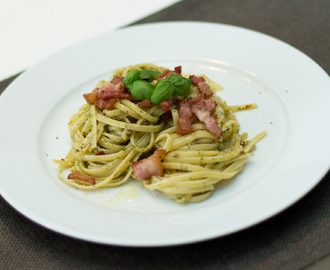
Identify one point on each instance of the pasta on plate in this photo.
(166, 129)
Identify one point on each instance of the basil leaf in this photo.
(141, 90)
(131, 77)
(149, 74)
(181, 84)
(163, 90)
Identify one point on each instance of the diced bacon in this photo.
(105, 104)
(78, 175)
(115, 94)
(195, 99)
(212, 126)
(166, 105)
(119, 87)
(116, 85)
(178, 69)
(184, 109)
(201, 111)
(167, 73)
(204, 115)
(100, 153)
(195, 80)
(150, 166)
(92, 97)
(117, 80)
(210, 104)
(202, 86)
(162, 75)
(204, 89)
(144, 103)
(100, 104)
(185, 115)
(184, 126)
(110, 103)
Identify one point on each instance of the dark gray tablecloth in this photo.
(293, 239)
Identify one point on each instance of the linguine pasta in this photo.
(105, 144)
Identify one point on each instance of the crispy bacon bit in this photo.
(247, 106)
(178, 69)
(100, 153)
(117, 80)
(195, 80)
(144, 103)
(195, 100)
(91, 98)
(96, 94)
(184, 109)
(79, 176)
(204, 115)
(185, 115)
(167, 73)
(210, 105)
(116, 85)
(202, 86)
(113, 94)
(150, 166)
(166, 105)
(184, 126)
(105, 104)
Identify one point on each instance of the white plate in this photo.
(292, 93)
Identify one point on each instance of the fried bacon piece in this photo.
(144, 103)
(194, 100)
(185, 115)
(184, 126)
(178, 69)
(118, 80)
(202, 86)
(167, 73)
(78, 175)
(210, 104)
(149, 166)
(114, 94)
(200, 109)
(166, 104)
(105, 104)
(116, 85)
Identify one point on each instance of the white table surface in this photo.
(31, 30)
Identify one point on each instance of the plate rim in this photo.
(16, 205)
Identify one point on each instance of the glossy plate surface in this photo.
(292, 93)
